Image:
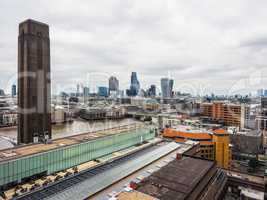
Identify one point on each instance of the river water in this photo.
(73, 128)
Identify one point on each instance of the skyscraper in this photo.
(135, 85)
(260, 92)
(78, 90)
(103, 91)
(2, 92)
(13, 90)
(113, 84)
(171, 87)
(166, 87)
(86, 91)
(134, 82)
(152, 91)
(34, 90)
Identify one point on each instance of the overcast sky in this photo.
(205, 46)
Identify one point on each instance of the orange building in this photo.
(222, 151)
(213, 145)
(230, 114)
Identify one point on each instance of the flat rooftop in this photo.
(25, 150)
(191, 129)
(134, 195)
(177, 180)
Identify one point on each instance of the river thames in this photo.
(73, 128)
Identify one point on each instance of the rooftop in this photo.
(220, 132)
(134, 195)
(252, 133)
(225, 103)
(25, 150)
(177, 180)
(33, 22)
(191, 129)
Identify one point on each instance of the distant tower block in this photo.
(34, 89)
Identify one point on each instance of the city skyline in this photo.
(151, 40)
(133, 100)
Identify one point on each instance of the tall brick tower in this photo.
(34, 84)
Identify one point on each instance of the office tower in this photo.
(152, 91)
(260, 92)
(167, 87)
(171, 87)
(86, 91)
(134, 87)
(134, 82)
(34, 89)
(103, 91)
(2, 92)
(113, 84)
(13, 90)
(78, 90)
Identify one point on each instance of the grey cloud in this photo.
(209, 42)
(254, 43)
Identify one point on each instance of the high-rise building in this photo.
(167, 87)
(86, 94)
(13, 90)
(135, 85)
(86, 91)
(152, 91)
(134, 81)
(78, 90)
(259, 92)
(2, 92)
(103, 91)
(34, 86)
(113, 84)
(171, 87)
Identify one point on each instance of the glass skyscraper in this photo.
(113, 84)
(14, 90)
(135, 85)
(166, 87)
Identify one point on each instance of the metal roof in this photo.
(92, 181)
